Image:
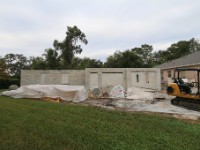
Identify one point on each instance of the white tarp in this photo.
(65, 92)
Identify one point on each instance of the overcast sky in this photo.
(28, 27)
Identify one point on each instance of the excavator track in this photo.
(186, 103)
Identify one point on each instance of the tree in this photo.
(158, 57)
(126, 59)
(16, 62)
(52, 59)
(175, 51)
(114, 61)
(3, 68)
(145, 53)
(69, 46)
(78, 63)
(90, 63)
(194, 45)
(38, 63)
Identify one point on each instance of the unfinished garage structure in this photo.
(95, 77)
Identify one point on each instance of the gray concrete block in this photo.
(96, 77)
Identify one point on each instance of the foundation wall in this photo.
(95, 77)
(47, 77)
(127, 77)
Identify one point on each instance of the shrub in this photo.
(5, 83)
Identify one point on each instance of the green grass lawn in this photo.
(31, 124)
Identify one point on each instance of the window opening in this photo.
(137, 78)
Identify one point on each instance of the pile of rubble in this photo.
(140, 99)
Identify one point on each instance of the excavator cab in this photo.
(187, 93)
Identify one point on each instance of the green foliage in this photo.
(16, 62)
(194, 45)
(126, 59)
(147, 58)
(38, 63)
(145, 53)
(78, 63)
(6, 82)
(176, 50)
(34, 124)
(52, 59)
(3, 68)
(63, 56)
(70, 45)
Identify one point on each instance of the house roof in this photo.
(188, 60)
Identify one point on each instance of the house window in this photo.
(169, 74)
(137, 78)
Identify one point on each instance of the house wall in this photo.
(95, 77)
(165, 80)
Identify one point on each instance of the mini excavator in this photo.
(183, 91)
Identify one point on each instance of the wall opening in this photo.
(146, 77)
(137, 78)
(162, 75)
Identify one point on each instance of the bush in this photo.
(5, 83)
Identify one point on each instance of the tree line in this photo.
(62, 56)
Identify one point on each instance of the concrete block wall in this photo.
(102, 77)
(95, 77)
(127, 77)
(46, 77)
(144, 78)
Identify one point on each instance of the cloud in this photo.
(30, 26)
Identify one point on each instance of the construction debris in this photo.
(96, 92)
(136, 99)
(144, 100)
(117, 92)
